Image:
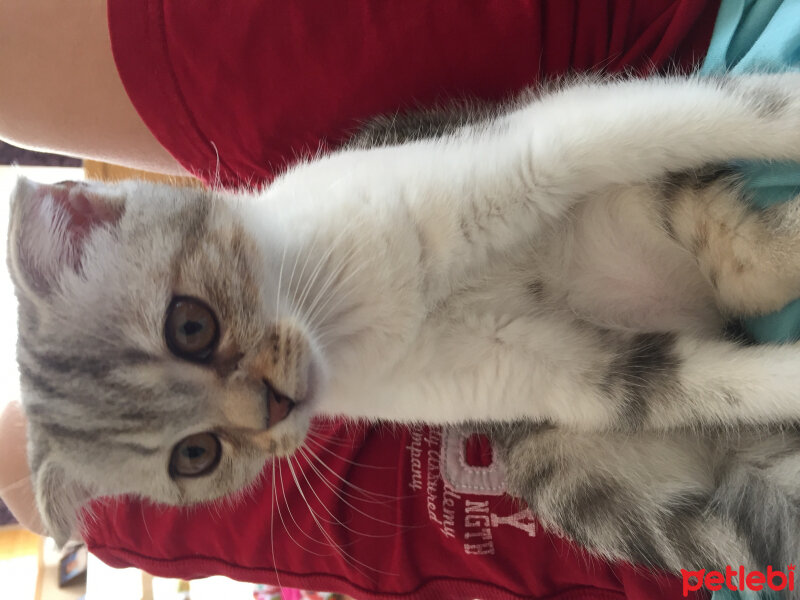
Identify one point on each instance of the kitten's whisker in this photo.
(345, 555)
(325, 331)
(272, 526)
(144, 522)
(280, 281)
(290, 291)
(336, 493)
(320, 432)
(325, 534)
(317, 321)
(89, 515)
(217, 181)
(314, 437)
(342, 499)
(323, 259)
(311, 278)
(217, 507)
(314, 316)
(291, 515)
(366, 493)
(333, 273)
(308, 253)
(330, 437)
(321, 517)
(369, 494)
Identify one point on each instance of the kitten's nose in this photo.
(278, 405)
(284, 360)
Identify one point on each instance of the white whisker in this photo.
(342, 499)
(315, 316)
(308, 253)
(272, 525)
(354, 562)
(330, 279)
(317, 269)
(314, 273)
(336, 493)
(315, 437)
(280, 281)
(369, 494)
(303, 531)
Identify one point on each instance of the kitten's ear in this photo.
(49, 227)
(59, 501)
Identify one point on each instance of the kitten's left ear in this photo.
(49, 228)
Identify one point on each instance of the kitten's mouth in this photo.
(278, 406)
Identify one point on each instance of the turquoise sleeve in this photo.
(761, 35)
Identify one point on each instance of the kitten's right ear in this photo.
(49, 227)
(59, 501)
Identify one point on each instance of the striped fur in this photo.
(563, 269)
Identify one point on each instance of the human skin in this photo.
(60, 89)
(15, 483)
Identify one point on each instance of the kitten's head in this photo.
(152, 356)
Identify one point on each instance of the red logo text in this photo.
(738, 579)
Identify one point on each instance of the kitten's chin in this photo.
(287, 436)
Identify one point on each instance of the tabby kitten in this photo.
(559, 270)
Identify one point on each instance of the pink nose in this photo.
(278, 407)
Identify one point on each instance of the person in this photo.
(15, 488)
(233, 93)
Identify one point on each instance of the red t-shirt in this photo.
(255, 83)
(422, 516)
(237, 90)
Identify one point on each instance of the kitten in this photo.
(559, 271)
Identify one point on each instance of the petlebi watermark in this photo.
(738, 579)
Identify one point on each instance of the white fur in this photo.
(431, 325)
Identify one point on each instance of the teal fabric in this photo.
(759, 35)
(754, 34)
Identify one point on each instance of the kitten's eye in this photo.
(191, 330)
(195, 455)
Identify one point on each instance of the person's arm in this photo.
(61, 91)
(15, 483)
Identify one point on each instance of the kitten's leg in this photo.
(543, 368)
(750, 257)
(663, 381)
(671, 501)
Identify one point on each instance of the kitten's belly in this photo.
(614, 264)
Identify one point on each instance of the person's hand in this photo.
(15, 483)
